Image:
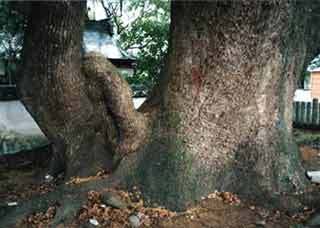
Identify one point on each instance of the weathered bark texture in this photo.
(83, 115)
(223, 108)
(131, 125)
(227, 103)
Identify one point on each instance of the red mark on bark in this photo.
(197, 79)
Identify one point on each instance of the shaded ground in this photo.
(83, 202)
(309, 144)
(19, 185)
(216, 213)
(113, 208)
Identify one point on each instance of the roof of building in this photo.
(98, 37)
(315, 69)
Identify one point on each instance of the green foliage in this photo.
(11, 39)
(315, 63)
(147, 38)
(11, 30)
(305, 76)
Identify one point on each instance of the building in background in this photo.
(315, 83)
(304, 91)
(18, 130)
(98, 37)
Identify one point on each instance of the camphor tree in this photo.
(220, 117)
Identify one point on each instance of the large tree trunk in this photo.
(222, 118)
(52, 86)
(227, 102)
(77, 112)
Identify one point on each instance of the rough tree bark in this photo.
(227, 102)
(76, 111)
(222, 118)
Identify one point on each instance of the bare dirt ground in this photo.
(217, 210)
(115, 208)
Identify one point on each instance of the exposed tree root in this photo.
(69, 198)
